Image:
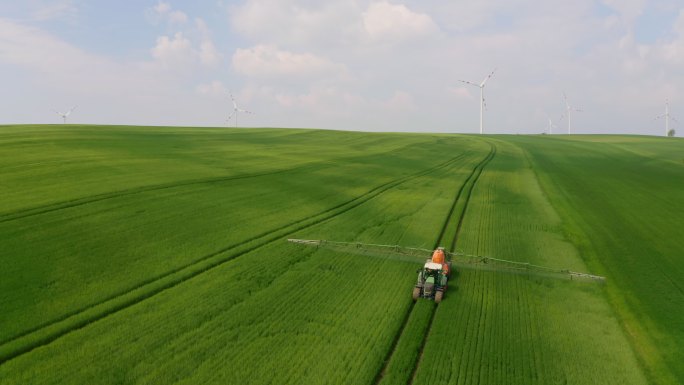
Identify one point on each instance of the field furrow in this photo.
(134, 255)
(65, 324)
(518, 327)
(408, 343)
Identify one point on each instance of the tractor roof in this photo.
(433, 266)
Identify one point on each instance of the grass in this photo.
(515, 329)
(157, 255)
(623, 203)
(274, 301)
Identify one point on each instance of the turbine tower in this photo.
(551, 126)
(482, 100)
(65, 114)
(569, 108)
(667, 117)
(236, 110)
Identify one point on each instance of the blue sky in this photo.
(345, 64)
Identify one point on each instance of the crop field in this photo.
(158, 255)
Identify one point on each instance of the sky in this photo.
(346, 64)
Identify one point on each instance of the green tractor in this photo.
(432, 281)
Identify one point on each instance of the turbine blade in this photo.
(233, 99)
(471, 83)
(487, 78)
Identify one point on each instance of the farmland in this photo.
(158, 255)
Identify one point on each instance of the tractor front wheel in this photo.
(438, 296)
(416, 293)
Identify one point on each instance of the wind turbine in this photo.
(482, 100)
(569, 108)
(667, 117)
(236, 110)
(65, 114)
(551, 126)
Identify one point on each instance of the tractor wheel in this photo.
(438, 296)
(416, 293)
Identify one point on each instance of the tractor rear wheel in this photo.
(416, 293)
(438, 296)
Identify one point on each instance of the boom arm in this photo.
(458, 259)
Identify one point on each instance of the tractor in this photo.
(433, 277)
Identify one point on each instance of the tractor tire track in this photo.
(466, 187)
(67, 204)
(70, 203)
(474, 177)
(382, 187)
(48, 332)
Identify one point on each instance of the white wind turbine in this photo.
(482, 100)
(667, 117)
(236, 110)
(569, 108)
(551, 126)
(65, 114)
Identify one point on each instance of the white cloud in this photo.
(55, 10)
(678, 26)
(179, 51)
(460, 93)
(269, 61)
(629, 10)
(52, 72)
(163, 11)
(381, 64)
(46, 73)
(316, 105)
(34, 49)
(214, 88)
(400, 101)
(177, 17)
(390, 22)
(296, 24)
(325, 25)
(173, 52)
(208, 53)
(202, 28)
(162, 8)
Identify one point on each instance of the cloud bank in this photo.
(362, 65)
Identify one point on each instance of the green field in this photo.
(158, 255)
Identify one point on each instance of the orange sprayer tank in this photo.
(438, 256)
(445, 269)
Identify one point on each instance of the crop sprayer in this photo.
(434, 277)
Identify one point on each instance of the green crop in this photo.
(518, 329)
(158, 255)
(622, 199)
